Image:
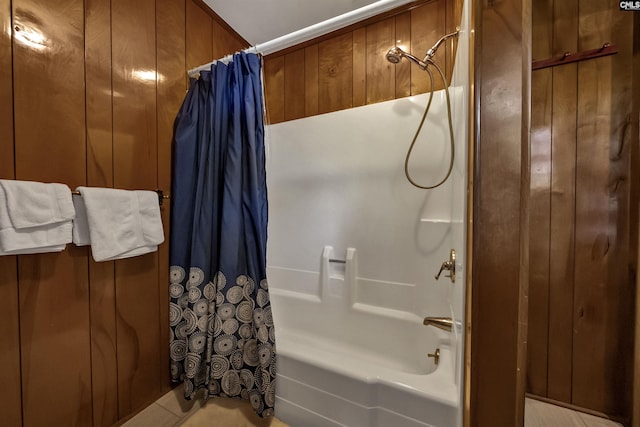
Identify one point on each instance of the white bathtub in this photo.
(342, 362)
(349, 367)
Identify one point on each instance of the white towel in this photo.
(81, 235)
(34, 217)
(34, 204)
(122, 224)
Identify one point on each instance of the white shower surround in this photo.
(338, 192)
(351, 344)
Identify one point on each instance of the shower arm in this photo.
(431, 52)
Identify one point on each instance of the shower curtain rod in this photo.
(311, 31)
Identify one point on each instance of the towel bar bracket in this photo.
(161, 196)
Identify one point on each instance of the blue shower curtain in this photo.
(222, 336)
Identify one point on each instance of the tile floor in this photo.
(169, 410)
(541, 414)
(172, 410)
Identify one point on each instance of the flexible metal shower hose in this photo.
(424, 116)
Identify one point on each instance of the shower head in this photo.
(395, 54)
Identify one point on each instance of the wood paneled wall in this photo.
(348, 68)
(582, 265)
(85, 343)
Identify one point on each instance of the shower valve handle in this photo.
(449, 265)
(435, 355)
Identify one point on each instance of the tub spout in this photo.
(444, 323)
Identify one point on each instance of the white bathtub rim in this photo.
(297, 339)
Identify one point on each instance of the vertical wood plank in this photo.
(427, 26)
(10, 395)
(137, 317)
(134, 74)
(135, 167)
(562, 216)
(6, 92)
(381, 81)
(50, 146)
(99, 93)
(274, 88)
(311, 80)
(603, 288)
(104, 371)
(500, 237)
(55, 342)
(458, 5)
(294, 85)
(48, 95)
(445, 10)
(453, 25)
(592, 239)
(562, 213)
(538, 336)
(541, 103)
(199, 35)
(335, 78)
(224, 43)
(171, 89)
(359, 67)
(623, 190)
(403, 69)
(634, 127)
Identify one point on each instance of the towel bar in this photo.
(161, 195)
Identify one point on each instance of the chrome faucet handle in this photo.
(450, 266)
